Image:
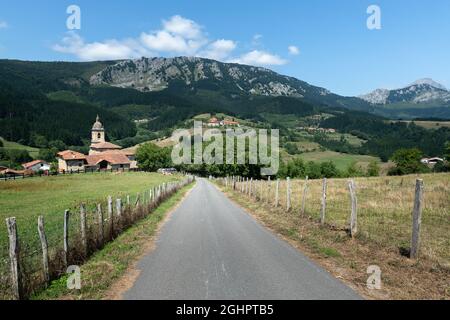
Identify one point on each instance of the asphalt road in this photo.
(212, 249)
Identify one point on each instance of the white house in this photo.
(36, 166)
(431, 161)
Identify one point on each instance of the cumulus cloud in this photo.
(106, 50)
(294, 50)
(177, 36)
(259, 58)
(3, 24)
(183, 27)
(219, 49)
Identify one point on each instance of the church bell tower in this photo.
(98, 132)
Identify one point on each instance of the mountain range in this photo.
(424, 97)
(421, 91)
(49, 101)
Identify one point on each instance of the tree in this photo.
(151, 157)
(329, 169)
(447, 151)
(57, 144)
(373, 170)
(48, 154)
(313, 170)
(407, 161)
(39, 141)
(292, 148)
(353, 170)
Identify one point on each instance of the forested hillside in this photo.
(57, 101)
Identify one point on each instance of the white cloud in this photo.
(259, 58)
(183, 27)
(219, 49)
(163, 41)
(178, 36)
(294, 50)
(3, 24)
(106, 50)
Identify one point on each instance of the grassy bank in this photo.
(50, 196)
(108, 265)
(384, 219)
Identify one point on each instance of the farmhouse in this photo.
(36, 166)
(431, 161)
(103, 155)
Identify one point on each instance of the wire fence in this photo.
(385, 207)
(104, 221)
(26, 175)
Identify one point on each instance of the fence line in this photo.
(80, 239)
(273, 199)
(22, 176)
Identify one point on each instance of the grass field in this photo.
(431, 124)
(13, 145)
(385, 207)
(341, 160)
(50, 196)
(108, 265)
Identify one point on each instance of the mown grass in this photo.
(384, 218)
(110, 264)
(50, 196)
(341, 160)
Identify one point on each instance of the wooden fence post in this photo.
(269, 185)
(417, 220)
(288, 194)
(14, 256)
(83, 228)
(100, 224)
(261, 185)
(110, 217)
(136, 204)
(324, 201)
(119, 209)
(305, 190)
(277, 190)
(128, 200)
(354, 213)
(66, 238)
(44, 246)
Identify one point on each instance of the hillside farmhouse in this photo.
(37, 165)
(214, 123)
(102, 155)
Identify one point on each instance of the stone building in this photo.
(103, 155)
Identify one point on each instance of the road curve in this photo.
(211, 249)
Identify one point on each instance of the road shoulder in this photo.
(348, 259)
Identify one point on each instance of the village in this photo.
(103, 156)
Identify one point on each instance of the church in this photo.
(102, 155)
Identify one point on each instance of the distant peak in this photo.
(430, 82)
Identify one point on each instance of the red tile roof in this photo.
(33, 163)
(71, 155)
(105, 145)
(111, 157)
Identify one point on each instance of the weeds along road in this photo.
(212, 249)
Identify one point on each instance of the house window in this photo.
(99, 135)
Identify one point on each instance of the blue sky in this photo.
(331, 45)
